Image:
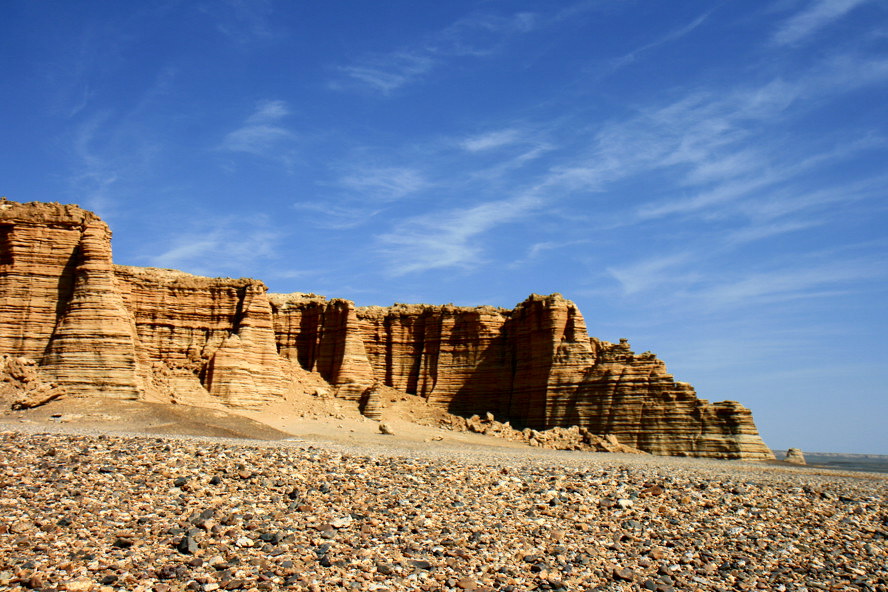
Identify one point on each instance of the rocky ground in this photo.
(115, 512)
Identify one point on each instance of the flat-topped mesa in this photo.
(132, 332)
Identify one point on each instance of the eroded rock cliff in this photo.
(537, 367)
(130, 332)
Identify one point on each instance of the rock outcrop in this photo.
(219, 330)
(130, 332)
(93, 347)
(23, 385)
(795, 456)
(557, 438)
(124, 332)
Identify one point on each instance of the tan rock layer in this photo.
(129, 332)
(537, 367)
(38, 255)
(323, 336)
(93, 348)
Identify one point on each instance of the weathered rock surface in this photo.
(633, 397)
(23, 385)
(537, 367)
(557, 438)
(93, 348)
(38, 255)
(130, 332)
(323, 336)
(220, 330)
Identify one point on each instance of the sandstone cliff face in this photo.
(38, 255)
(449, 355)
(323, 336)
(132, 332)
(218, 330)
(94, 344)
(536, 367)
(633, 397)
(124, 332)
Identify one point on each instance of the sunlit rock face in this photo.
(536, 367)
(130, 332)
(323, 336)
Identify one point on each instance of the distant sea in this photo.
(872, 463)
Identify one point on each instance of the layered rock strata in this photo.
(537, 367)
(218, 330)
(125, 332)
(93, 347)
(323, 336)
(130, 332)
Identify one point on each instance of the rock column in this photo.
(93, 347)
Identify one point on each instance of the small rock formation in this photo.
(795, 456)
(370, 404)
(128, 332)
(24, 385)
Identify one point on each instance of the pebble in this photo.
(107, 513)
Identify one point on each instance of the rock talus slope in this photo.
(130, 332)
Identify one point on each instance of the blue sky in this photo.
(707, 179)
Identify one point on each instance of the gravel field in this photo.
(122, 512)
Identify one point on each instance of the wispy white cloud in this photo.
(480, 34)
(94, 174)
(475, 36)
(669, 37)
(723, 153)
(815, 16)
(448, 238)
(703, 282)
(220, 246)
(263, 134)
(490, 140)
(384, 183)
(796, 282)
(324, 214)
(721, 145)
(788, 201)
(386, 73)
(652, 273)
(762, 231)
(111, 156)
(539, 249)
(243, 21)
